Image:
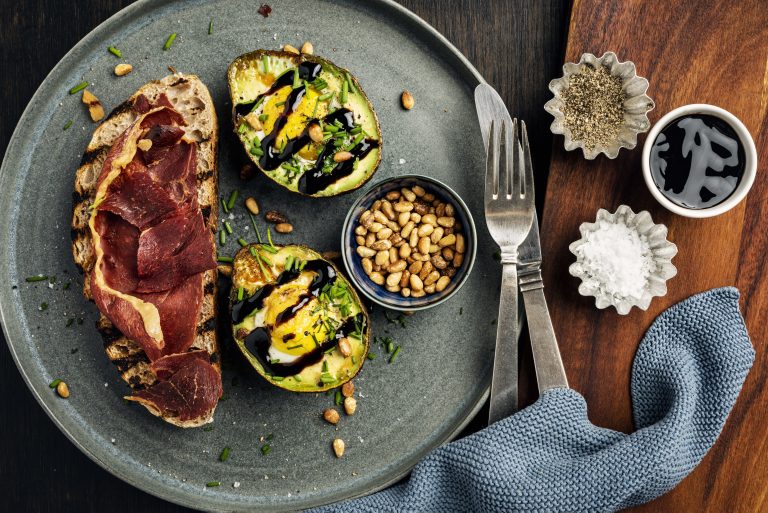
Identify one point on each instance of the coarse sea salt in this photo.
(616, 260)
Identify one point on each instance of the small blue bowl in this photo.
(378, 293)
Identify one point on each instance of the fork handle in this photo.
(503, 402)
(550, 372)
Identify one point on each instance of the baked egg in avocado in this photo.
(296, 319)
(304, 122)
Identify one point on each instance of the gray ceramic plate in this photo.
(406, 408)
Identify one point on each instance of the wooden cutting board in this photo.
(691, 52)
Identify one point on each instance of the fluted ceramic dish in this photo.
(636, 105)
(661, 248)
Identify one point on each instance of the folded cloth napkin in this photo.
(686, 377)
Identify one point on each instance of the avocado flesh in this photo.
(323, 318)
(256, 98)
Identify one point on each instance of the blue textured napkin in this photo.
(686, 377)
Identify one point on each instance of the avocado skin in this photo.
(255, 57)
(305, 253)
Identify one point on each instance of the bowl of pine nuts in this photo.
(408, 243)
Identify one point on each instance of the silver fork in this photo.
(509, 210)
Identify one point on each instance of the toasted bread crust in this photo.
(191, 98)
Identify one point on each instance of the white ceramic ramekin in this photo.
(750, 166)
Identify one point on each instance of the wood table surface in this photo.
(691, 52)
(517, 50)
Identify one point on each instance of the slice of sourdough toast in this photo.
(191, 98)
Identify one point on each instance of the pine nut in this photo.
(449, 210)
(307, 48)
(432, 278)
(429, 219)
(415, 267)
(62, 389)
(433, 248)
(331, 416)
(376, 278)
(405, 251)
(365, 252)
(409, 195)
(394, 279)
(448, 240)
(403, 206)
(360, 230)
(428, 197)
(386, 207)
(415, 217)
(405, 292)
(405, 279)
(429, 289)
(439, 262)
(397, 266)
(442, 283)
(416, 283)
(123, 69)
(345, 347)
(315, 133)
(367, 265)
(407, 100)
(350, 405)
(360, 240)
(458, 259)
(379, 216)
(283, 227)
(347, 389)
(370, 239)
(375, 227)
(418, 190)
(437, 234)
(393, 257)
(342, 156)
(338, 447)
(381, 244)
(418, 293)
(384, 233)
(448, 253)
(460, 243)
(382, 257)
(414, 240)
(425, 229)
(403, 218)
(440, 209)
(423, 245)
(396, 239)
(394, 289)
(406, 231)
(446, 221)
(290, 49)
(392, 195)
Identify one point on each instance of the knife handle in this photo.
(550, 372)
(503, 402)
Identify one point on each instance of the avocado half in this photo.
(279, 99)
(290, 310)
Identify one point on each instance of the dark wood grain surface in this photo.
(715, 52)
(516, 46)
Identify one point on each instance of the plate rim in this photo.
(15, 143)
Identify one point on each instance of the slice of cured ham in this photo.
(152, 247)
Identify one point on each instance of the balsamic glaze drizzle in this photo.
(313, 180)
(258, 341)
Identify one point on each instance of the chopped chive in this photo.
(242, 242)
(54, 383)
(265, 64)
(327, 379)
(279, 104)
(344, 91)
(352, 88)
(296, 81)
(314, 339)
(39, 277)
(265, 260)
(354, 360)
(265, 449)
(288, 262)
(228, 227)
(394, 355)
(295, 347)
(232, 199)
(263, 117)
(224, 259)
(211, 484)
(297, 378)
(357, 141)
(371, 356)
(314, 111)
(43, 306)
(210, 27)
(324, 97)
(331, 128)
(256, 105)
(277, 378)
(269, 237)
(325, 366)
(70, 322)
(390, 345)
(257, 256)
(169, 41)
(337, 399)
(79, 87)
(240, 293)
(222, 237)
(269, 249)
(224, 456)
(356, 130)
(67, 125)
(114, 51)
(224, 206)
(242, 128)
(208, 429)
(330, 350)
